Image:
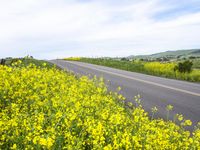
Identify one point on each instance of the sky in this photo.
(49, 29)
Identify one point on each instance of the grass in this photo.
(151, 68)
(124, 65)
(28, 61)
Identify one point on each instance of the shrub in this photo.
(3, 61)
(124, 59)
(184, 67)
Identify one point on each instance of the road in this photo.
(155, 91)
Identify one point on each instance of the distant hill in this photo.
(170, 54)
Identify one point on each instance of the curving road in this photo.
(155, 91)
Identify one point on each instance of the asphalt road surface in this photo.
(155, 91)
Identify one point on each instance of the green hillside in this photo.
(171, 54)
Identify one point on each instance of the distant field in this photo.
(163, 69)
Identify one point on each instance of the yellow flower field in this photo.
(50, 109)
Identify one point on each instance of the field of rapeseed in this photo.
(43, 108)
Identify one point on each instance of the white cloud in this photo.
(50, 28)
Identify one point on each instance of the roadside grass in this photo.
(27, 61)
(165, 69)
(47, 108)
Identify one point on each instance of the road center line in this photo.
(140, 80)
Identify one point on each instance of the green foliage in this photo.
(166, 69)
(124, 59)
(26, 61)
(2, 61)
(196, 63)
(184, 67)
(124, 65)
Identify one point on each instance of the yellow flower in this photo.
(49, 108)
(50, 142)
(188, 123)
(180, 117)
(108, 147)
(169, 107)
(14, 146)
(43, 141)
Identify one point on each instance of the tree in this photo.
(184, 67)
(192, 57)
(3, 61)
(124, 59)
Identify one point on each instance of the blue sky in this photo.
(48, 29)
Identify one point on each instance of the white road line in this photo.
(140, 80)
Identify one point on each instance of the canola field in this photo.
(44, 108)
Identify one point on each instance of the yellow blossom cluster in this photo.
(73, 58)
(167, 70)
(44, 108)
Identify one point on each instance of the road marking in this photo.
(140, 80)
